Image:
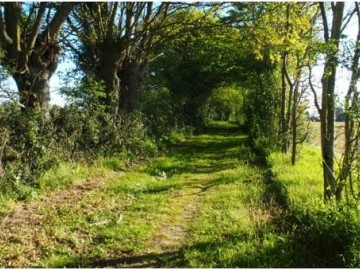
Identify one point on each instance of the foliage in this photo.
(262, 111)
(99, 133)
(322, 235)
(198, 61)
(225, 103)
(274, 28)
(327, 235)
(27, 149)
(162, 114)
(190, 65)
(31, 144)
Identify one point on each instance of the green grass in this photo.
(62, 175)
(232, 219)
(303, 181)
(202, 200)
(321, 235)
(204, 204)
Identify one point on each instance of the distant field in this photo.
(339, 135)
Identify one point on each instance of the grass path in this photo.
(201, 205)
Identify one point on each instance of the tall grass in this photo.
(322, 235)
(303, 181)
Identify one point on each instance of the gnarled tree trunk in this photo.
(111, 61)
(33, 85)
(132, 83)
(29, 38)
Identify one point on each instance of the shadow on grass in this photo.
(152, 260)
(193, 183)
(166, 259)
(204, 155)
(205, 254)
(276, 193)
(246, 252)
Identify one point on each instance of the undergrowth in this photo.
(322, 235)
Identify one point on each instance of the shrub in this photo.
(27, 144)
(326, 236)
(32, 143)
(262, 111)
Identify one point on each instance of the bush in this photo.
(262, 110)
(162, 114)
(32, 143)
(326, 236)
(27, 144)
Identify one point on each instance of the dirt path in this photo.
(113, 220)
(172, 234)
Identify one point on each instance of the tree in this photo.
(280, 33)
(350, 160)
(327, 111)
(29, 34)
(199, 60)
(115, 41)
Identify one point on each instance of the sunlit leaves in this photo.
(282, 27)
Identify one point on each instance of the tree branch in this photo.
(55, 25)
(3, 34)
(314, 92)
(325, 22)
(12, 23)
(110, 25)
(37, 26)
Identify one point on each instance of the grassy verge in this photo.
(61, 176)
(303, 182)
(321, 235)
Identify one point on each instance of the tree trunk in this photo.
(132, 83)
(327, 119)
(108, 75)
(111, 61)
(351, 100)
(284, 127)
(33, 85)
(294, 125)
(327, 116)
(32, 56)
(34, 90)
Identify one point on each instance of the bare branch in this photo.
(3, 33)
(112, 19)
(325, 21)
(348, 18)
(35, 33)
(313, 91)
